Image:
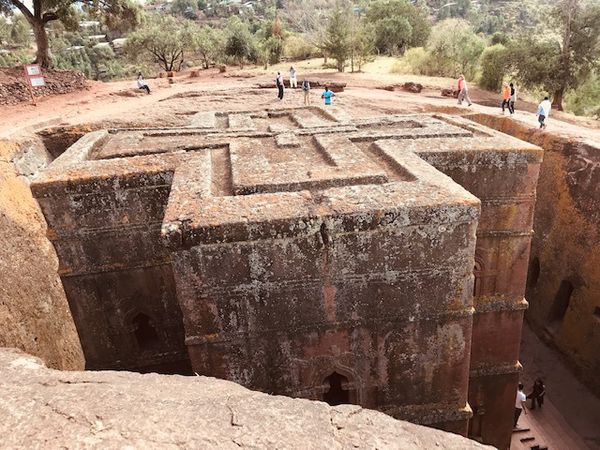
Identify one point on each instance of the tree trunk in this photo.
(557, 100)
(42, 55)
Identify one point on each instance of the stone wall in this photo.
(42, 408)
(564, 273)
(34, 313)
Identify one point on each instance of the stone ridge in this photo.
(44, 408)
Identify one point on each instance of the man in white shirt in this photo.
(520, 403)
(543, 112)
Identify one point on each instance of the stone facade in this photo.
(306, 253)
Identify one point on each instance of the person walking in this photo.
(537, 393)
(293, 79)
(505, 97)
(543, 112)
(141, 83)
(326, 95)
(279, 84)
(306, 90)
(513, 99)
(463, 90)
(520, 404)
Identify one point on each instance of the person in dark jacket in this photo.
(537, 393)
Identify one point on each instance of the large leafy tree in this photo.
(455, 48)
(558, 62)
(338, 38)
(398, 25)
(162, 39)
(42, 12)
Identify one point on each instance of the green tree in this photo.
(4, 31)
(455, 47)
(43, 12)
(19, 31)
(338, 40)
(585, 100)
(185, 8)
(271, 39)
(239, 42)
(363, 44)
(494, 62)
(206, 42)
(162, 39)
(561, 62)
(398, 24)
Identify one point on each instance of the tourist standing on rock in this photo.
(505, 97)
(306, 90)
(537, 393)
(513, 99)
(463, 90)
(279, 84)
(293, 79)
(326, 95)
(520, 404)
(543, 112)
(141, 83)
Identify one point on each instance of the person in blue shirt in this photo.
(326, 95)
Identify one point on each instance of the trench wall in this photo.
(34, 313)
(563, 287)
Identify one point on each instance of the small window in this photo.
(145, 332)
(534, 272)
(477, 271)
(561, 301)
(597, 312)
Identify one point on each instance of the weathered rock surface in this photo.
(43, 408)
(564, 274)
(34, 314)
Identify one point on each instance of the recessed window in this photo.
(562, 300)
(534, 272)
(145, 332)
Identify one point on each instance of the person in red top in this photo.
(463, 91)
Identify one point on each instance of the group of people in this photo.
(538, 391)
(326, 95)
(509, 98)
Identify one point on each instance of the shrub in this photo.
(493, 67)
(297, 48)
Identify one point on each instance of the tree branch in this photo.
(24, 10)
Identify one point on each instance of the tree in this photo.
(207, 42)
(337, 42)
(363, 45)
(19, 32)
(239, 43)
(43, 12)
(455, 47)
(558, 64)
(162, 39)
(494, 62)
(398, 24)
(185, 8)
(271, 38)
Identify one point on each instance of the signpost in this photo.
(33, 72)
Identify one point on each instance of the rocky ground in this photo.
(42, 408)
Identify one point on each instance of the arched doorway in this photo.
(338, 392)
